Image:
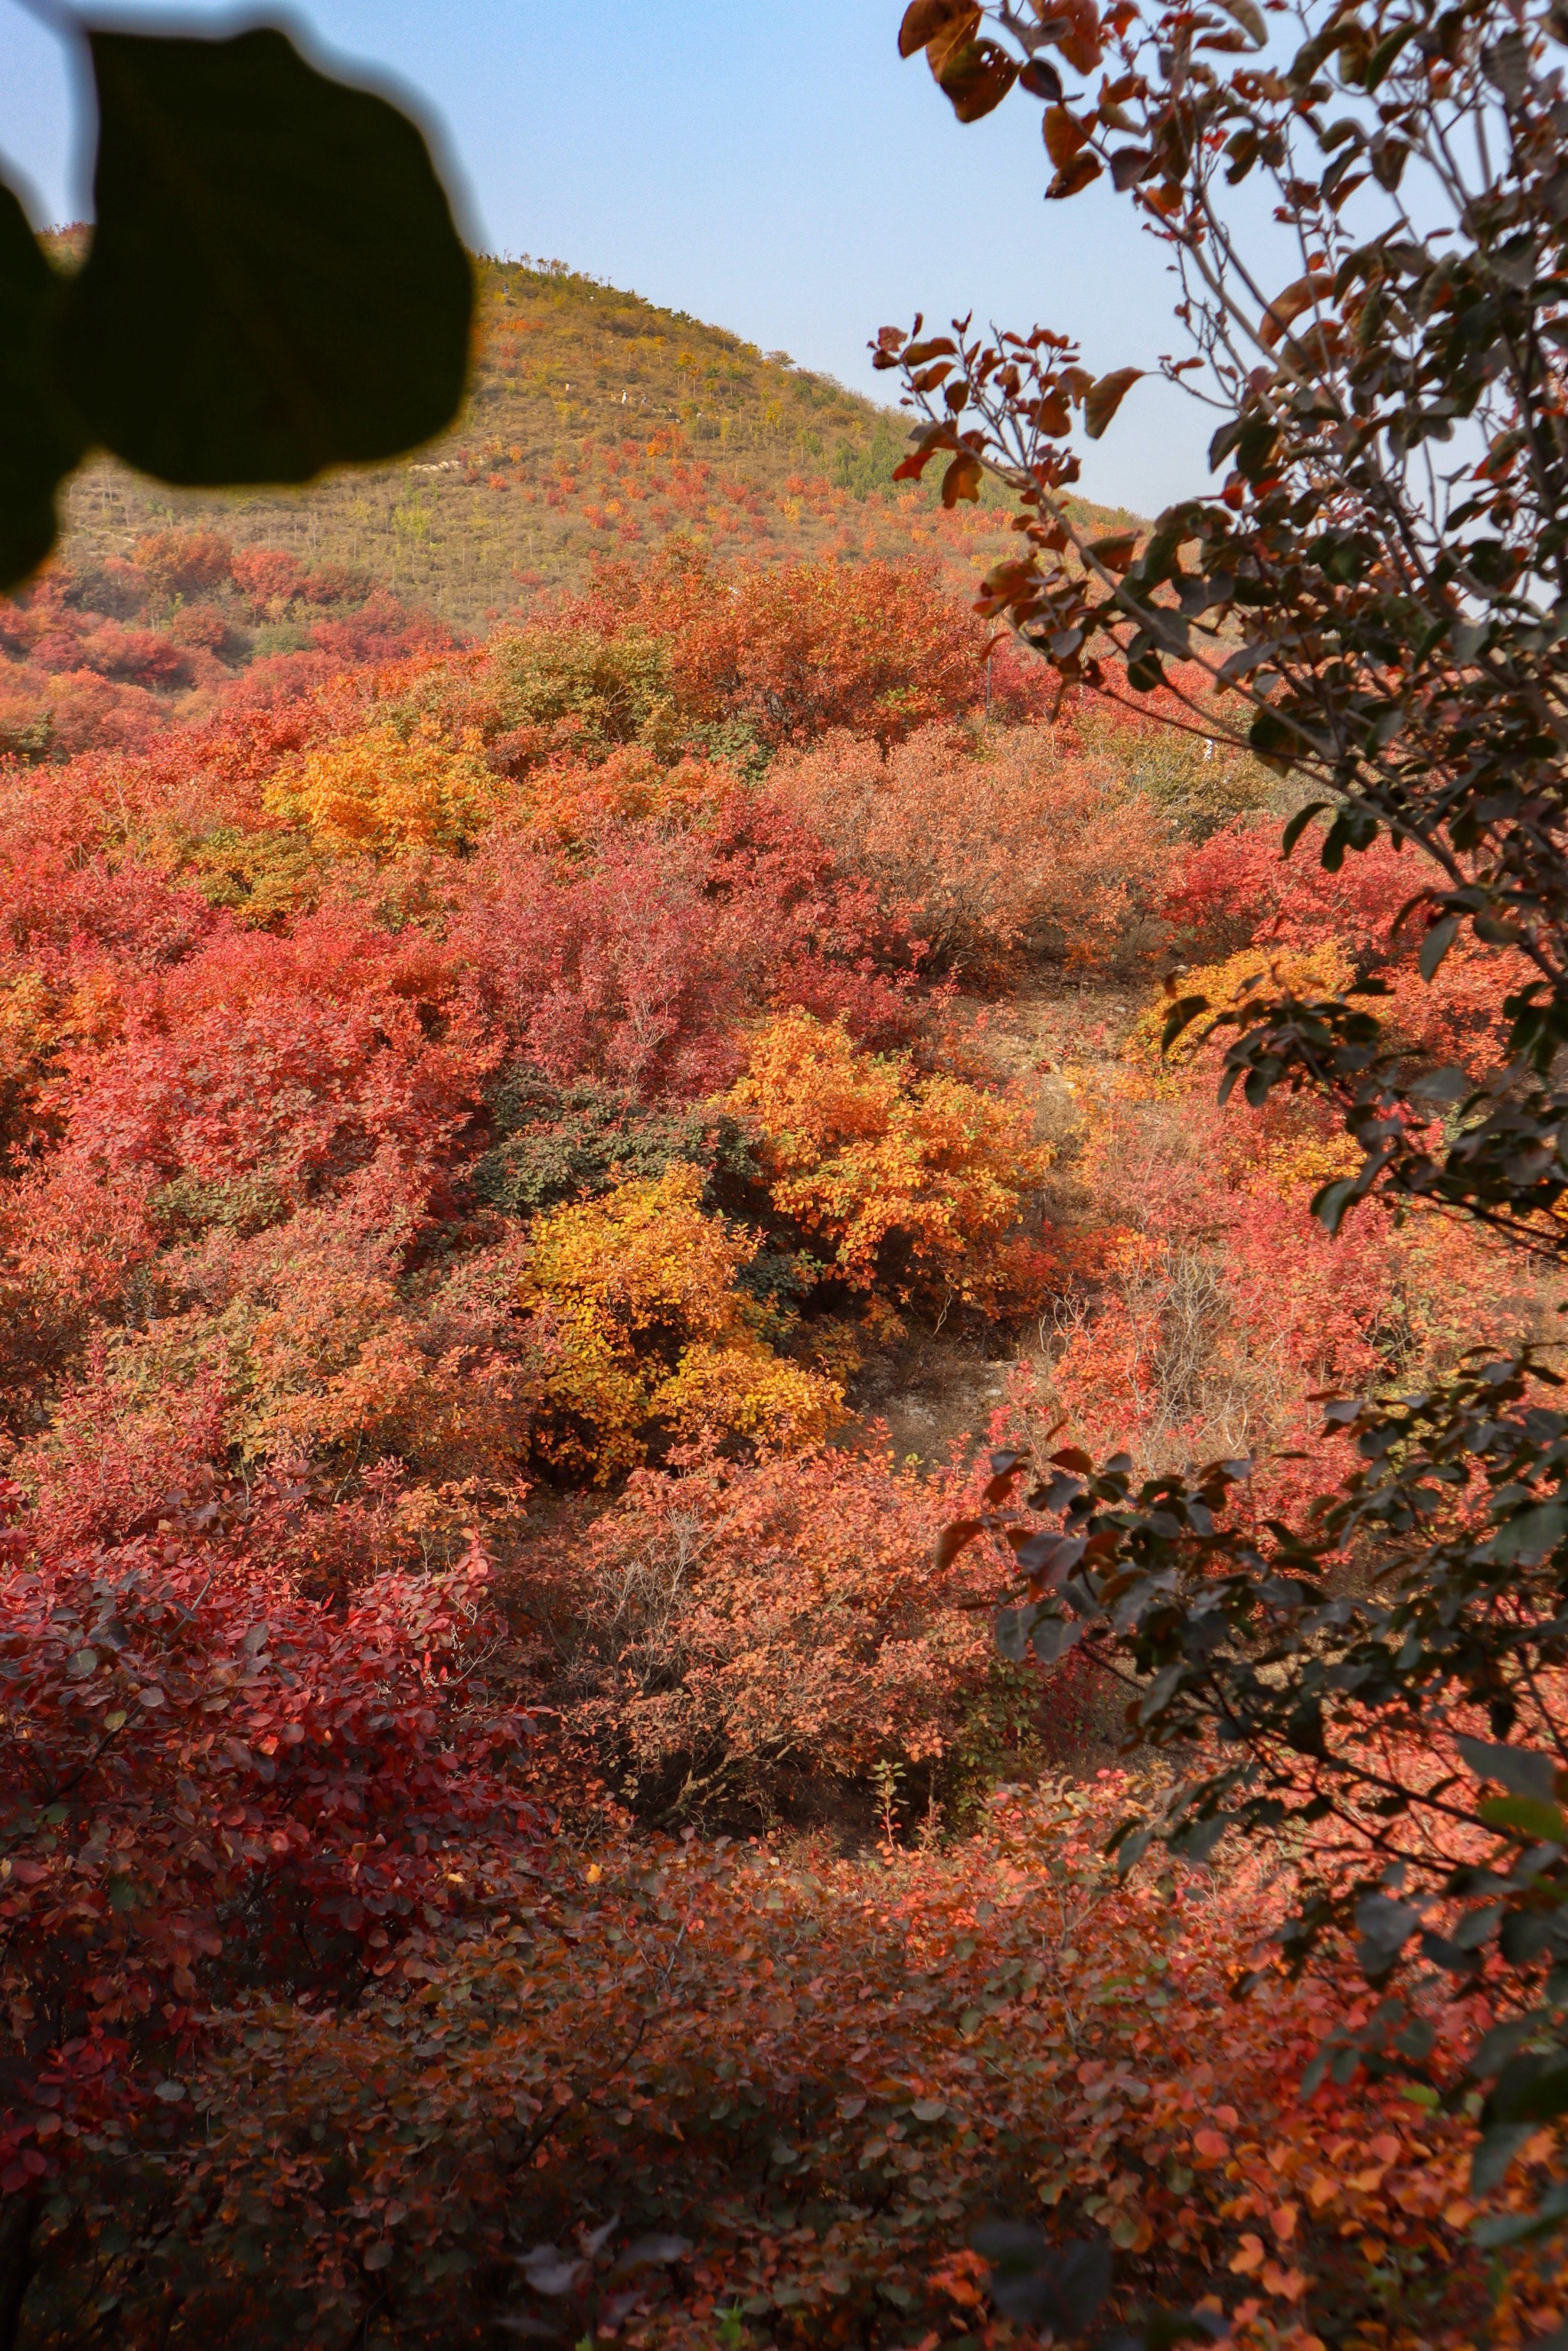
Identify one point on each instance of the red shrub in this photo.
(976, 845)
(206, 1782)
(636, 965)
(267, 574)
(287, 1065)
(611, 970)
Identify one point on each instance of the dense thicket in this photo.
(488, 1752)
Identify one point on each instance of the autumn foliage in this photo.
(486, 1132)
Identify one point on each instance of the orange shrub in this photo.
(880, 647)
(727, 1634)
(384, 793)
(642, 1323)
(303, 1350)
(912, 1182)
(569, 804)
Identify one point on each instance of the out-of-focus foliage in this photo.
(273, 284)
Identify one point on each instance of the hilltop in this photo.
(596, 424)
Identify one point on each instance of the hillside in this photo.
(532, 1179)
(596, 424)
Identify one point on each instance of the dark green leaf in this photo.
(1437, 943)
(1514, 1768)
(1012, 1629)
(1181, 1014)
(275, 283)
(1491, 2161)
(1525, 1816)
(1271, 740)
(1330, 1202)
(1299, 824)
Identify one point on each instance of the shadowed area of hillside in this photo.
(596, 424)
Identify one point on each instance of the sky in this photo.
(771, 166)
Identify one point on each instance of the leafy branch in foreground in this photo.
(1384, 1689)
(274, 284)
(1375, 599)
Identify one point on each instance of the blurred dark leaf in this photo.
(275, 282)
(38, 444)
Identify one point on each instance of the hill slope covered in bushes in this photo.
(596, 424)
(509, 1813)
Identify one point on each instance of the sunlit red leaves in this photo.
(291, 1063)
(978, 846)
(205, 1774)
(730, 1628)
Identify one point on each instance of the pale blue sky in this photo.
(770, 166)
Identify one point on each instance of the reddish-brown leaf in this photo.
(923, 20)
(1041, 79)
(1074, 27)
(956, 1538)
(1116, 553)
(1078, 174)
(1105, 397)
(974, 75)
(934, 347)
(1065, 135)
(961, 480)
(1291, 304)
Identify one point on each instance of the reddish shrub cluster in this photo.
(509, 1103)
(212, 1784)
(108, 658)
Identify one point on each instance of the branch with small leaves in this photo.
(1393, 634)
